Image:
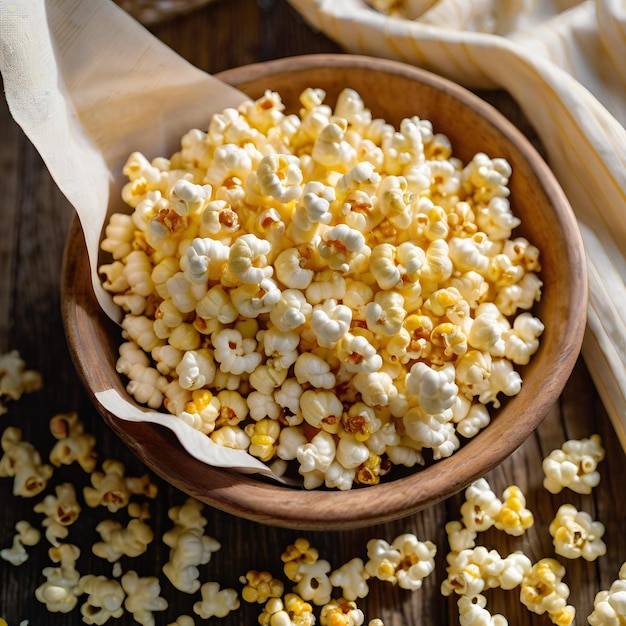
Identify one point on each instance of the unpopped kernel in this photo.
(318, 262)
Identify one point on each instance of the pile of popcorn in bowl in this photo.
(336, 296)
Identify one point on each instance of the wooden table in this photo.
(35, 222)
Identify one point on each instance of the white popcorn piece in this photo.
(472, 612)
(26, 535)
(574, 466)
(351, 578)
(105, 599)
(189, 546)
(216, 602)
(112, 489)
(383, 560)
(73, 444)
(142, 597)
(118, 541)
(417, 560)
(16, 379)
(60, 590)
(575, 534)
(22, 462)
(481, 506)
(609, 605)
(434, 388)
(465, 577)
(61, 510)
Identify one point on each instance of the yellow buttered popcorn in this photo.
(330, 251)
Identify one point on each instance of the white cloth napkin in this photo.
(89, 85)
(564, 62)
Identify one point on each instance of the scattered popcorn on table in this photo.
(118, 541)
(341, 612)
(574, 465)
(351, 578)
(189, 545)
(514, 518)
(335, 252)
(26, 535)
(105, 599)
(406, 562)
(142, 597)
(609, 605)
(23, 462)
(472, 612)
(112, 489)
(543, 591)
(575, 534)
(216, 602)
(15, 379)
(60, 591)
(73, 443)
(481, 506)
(260, 586)
(61, 510)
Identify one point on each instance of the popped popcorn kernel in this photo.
(609, 605)
(543, 591)
(216, 602)
(575, 534)
(16, 379)
(574, 466)
(260, 586)
(514, 518)
(22, 462)
(371, 262)
(26, 535)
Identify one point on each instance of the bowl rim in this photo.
(245, 495)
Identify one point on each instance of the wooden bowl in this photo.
(392, 91)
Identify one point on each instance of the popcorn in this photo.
(406, 562)
(351, 578)
(542, 591)
(216, 602)
(142, 597)
(290, 611)
(118, 541)
(189, 546)
(609, 605)
(513, 518)
(60, 590)
(61, 510)
(105, 599)
(369, 260)
(112, 489)
(341, 612)
(73, 444)
(15, 379)
(574, 465)
(472, 612)
(260, 587)
(26, 535)
(22, 462)
(575, 534)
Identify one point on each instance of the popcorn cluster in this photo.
(318, 593)
(322, 288)
(473, 569)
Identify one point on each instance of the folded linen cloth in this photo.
(563, 62)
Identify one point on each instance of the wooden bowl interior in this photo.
(392, 91)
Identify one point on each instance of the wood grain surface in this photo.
(35, 221)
